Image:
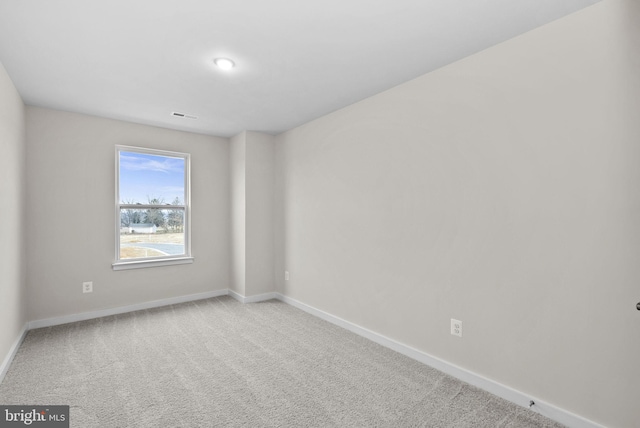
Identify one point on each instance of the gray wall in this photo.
(503, 191)
(71, 216)
(252, 213)
(237, 181)
(259, 215)
(12, 214)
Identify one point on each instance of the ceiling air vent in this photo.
(183, 115)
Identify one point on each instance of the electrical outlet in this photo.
(456, 327)
(286, 275)
(87, 287)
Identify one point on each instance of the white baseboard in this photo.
(253, 299)
(12, 352)
(549, 410)
(124, 309)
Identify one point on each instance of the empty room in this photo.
(320, 214)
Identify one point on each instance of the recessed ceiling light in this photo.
(224, 63)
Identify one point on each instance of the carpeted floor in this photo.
(219, 363)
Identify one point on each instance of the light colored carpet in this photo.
(217, 362)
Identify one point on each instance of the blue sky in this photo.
(144, 176)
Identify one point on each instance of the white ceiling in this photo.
(140, 60)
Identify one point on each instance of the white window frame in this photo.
(121, 264)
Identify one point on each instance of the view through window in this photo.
(152, 204)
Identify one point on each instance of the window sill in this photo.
(140, 264)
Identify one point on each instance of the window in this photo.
(152, 208)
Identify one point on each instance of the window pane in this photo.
(152, 204)
(151, 179)
(151, 233)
